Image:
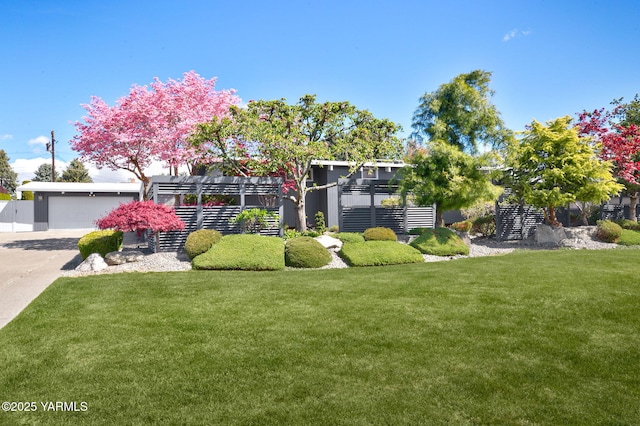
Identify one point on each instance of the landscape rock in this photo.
(93, 263)
(121, 257)
(547, 235)
(329, 243)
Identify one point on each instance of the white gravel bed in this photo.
(164, 262)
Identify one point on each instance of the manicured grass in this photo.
(249, 252)
(527, 338)
(377, 253)
(440, 242)
(629, 238)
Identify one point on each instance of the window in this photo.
(369, 172)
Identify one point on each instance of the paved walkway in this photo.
(29, 262)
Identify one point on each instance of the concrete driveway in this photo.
(29, 262)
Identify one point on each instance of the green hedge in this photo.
(377, 253)
(4, 196)
(201, 241)
(305, 252)
(249, 252)
(101, 242)
(440, 242)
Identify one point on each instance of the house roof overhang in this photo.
(81, 187)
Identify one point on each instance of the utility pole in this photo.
(51, 147)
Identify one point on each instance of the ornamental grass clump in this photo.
(379, 234)
(101, 242)
(201, 241)
(440, 242)
(378, 253)
(608, 231)
(305, 252)
(249, 252)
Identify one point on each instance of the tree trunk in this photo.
(552, 219)
(302, 215)
(439, 218)
(633, 202)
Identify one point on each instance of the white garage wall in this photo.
(80, 212)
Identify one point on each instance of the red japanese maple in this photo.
(620, 145)
(139, 216)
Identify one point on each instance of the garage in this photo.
(80, 212)
(73, 205)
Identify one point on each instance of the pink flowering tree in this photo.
(150, 124)
(139, 216)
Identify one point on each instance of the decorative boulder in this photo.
(93, 263)
(120, 257)
(546, 235)
(329, 243)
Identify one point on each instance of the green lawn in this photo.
(541, 338)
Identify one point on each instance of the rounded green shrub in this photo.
(248, 252)
(349, 237)
(377, 253)
(628, 224)
(4, 196)
(379, 234)
(305, 252)
(200, 241)
(608, 231)
(440, 242)
(101, 242)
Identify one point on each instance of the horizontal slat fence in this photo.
(360, 207)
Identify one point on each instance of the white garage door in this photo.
(80, 212)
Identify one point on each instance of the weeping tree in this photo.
(461, 114)
(445, 176)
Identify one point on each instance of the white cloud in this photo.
(40, 140)
(6, 137)
(515, 33)
(25, 168)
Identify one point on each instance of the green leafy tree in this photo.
(444, 175)
(8, 178)
(553, 166)
(43, 173)
(461, 113)
(277, 139)
(26, 195)
(76, 172)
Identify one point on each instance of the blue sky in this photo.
(548, 58)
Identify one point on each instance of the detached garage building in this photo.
(70, 205)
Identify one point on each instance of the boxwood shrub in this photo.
(608, 231)
(250, 252)
(305, 252)
(349, 237)
(376, 253)
(379, 234)
(200, 241)
(101, 242)
(440, 242)
(629, 238)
